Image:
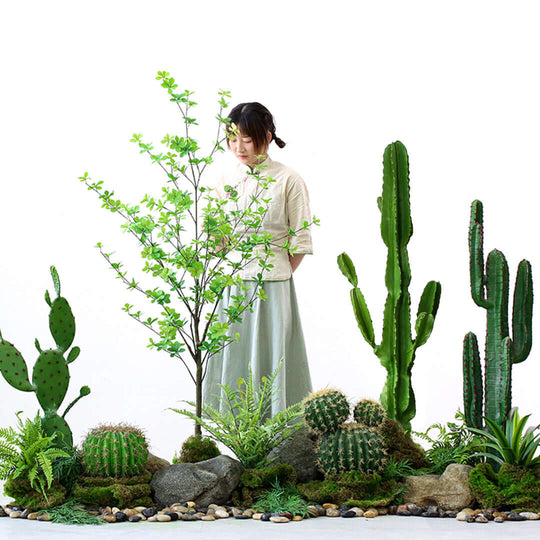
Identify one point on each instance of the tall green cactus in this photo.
(490, 290)
(50, 376)
(397, 349)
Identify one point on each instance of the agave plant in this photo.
(511, 446)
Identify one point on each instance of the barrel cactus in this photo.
(346, 446)
(115, 451)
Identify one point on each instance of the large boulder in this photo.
(300, 452)
(155, 463)
(449, 491)
(206, 482)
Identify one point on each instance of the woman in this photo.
(272, 332)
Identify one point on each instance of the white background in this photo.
(456, 82)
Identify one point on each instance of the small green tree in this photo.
(188, 237)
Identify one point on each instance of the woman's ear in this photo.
(268, 137)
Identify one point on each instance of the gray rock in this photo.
(300, 452)
(449, 491)
(206, 482)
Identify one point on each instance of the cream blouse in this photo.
(288, 208)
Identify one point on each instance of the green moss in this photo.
(23, 494)
(511, 488)
(400, 446)
(87, 481)
(256, 482)
(353, 488)
(121, 492)
(195, 449)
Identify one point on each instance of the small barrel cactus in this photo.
(115, 451)
(346, 446)
(326, 410)
(369, 413)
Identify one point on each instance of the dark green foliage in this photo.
(197, 448)
(25, 496)
(255, 482)
(282, 498)
(50, 376)
(73, 513)
(118, 492)
(397, 348)
(453, 443)
(400, 446)
(117, 451)
(67, 469)
(353, 488)
(491, 397)
(512, 487)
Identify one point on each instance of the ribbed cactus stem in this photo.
(397, 349)
(326, 410)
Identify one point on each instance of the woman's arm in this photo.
(295, 260)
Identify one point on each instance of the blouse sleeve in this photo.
(298, 213)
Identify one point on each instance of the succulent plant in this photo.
(115, 451)
(397, 349)
(346, 446)
(491, 397)
(50, 376)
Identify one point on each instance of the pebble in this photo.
(416, 510)
(514, 516)
(221, 513)
(241, 516)
(330, 505)
(403, 513)
(134, 519)
(212, 506)
(499, 519)
(188, 517)
(153, 518)
(297, 518)
(208, 518)
(15, 514)
(470, 519)
(463, 514)
(114, 510)
(257, 515)
(358, 511)
(191, 504)
(130, 512)
(120, 517)
(172, 515)
(286, 514)
(371, 513)
(279, 519)
(2, 512)
(500, 514)
(44, 517)
(33, 515)
(109, 518)
(431, 511)
(383, 511)
(236, 511)
(139, 509)
(266, 516)
(332, 512)
(348, 513)
(163, 517)
(249, 512)
(149, 512)
(530, 515)
(25, 513)
(179, 508)
(480, 518)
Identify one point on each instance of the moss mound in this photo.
(195, 449)
(120, 492)
(400, 446)
(512, 488)
(23, 494)
(255, 482)
(352, 488)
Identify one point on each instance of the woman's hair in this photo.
(254, 120)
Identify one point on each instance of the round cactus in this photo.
(115, 451)
(326, 410)
(352, 447)
(369, 413)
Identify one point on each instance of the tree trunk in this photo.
(198, 391)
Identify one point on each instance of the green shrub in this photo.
(282, 498)
(197, 448)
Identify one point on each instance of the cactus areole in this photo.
(491, 397)
(50, 376)
(397, 348)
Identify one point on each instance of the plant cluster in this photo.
(73, 513)
(243, 422)
(196, 448)
(282, 498)
(50, 376)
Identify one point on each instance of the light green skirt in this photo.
(270, 333)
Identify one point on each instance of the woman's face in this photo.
(243, 147)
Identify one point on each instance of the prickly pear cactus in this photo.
(326, 410)
(115, 451)
(50, 376)
(369, 413)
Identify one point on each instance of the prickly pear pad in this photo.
(13, 367)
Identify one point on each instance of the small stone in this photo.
(463, 514)
(297, 518)
(202, 509)
(451, 513)
(248, 512)
(288, 515)
(221, 513)
(330, 505)
(392, 509)
(332, 512)
(197, 515)
(120, 517)
(383, 511)
(106, 510)
(114, 510)
(2, 512)
(190, 504)
(480, 518)
(500, 514)
(321, 509)
(431, 511)
(163, 517)
(179, 508)
(279, 519)
(208, 518)
(476, 512)
(470, 519)
(530, 515)
(210, 512)
(358, 511)
(312, 510)
(266, 516)
(212, 506)
(257, 515)
(109, 518)
(371, 513)
(140, 508)
(241, 516)
(172, 515)
(488, 514)
(24, 513)
(43, 517)
(134, 519)
(130, 512)
(189, 517)
(32, 516)
(153, 518)
(416, 510)
(15, 514)
(220, 508)
(149, 512)
(514, 516)
(347, 513)
(403, 513)
(236, 511)
(499, 519)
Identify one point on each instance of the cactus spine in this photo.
(490, 290)
(397, 349)
(369, 413)
(115, 451)
(345, 446)
(50, 376)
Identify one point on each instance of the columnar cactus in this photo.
(115, 451)
(50, 376)
(397, 349)
(490, 290)
(344, 446)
